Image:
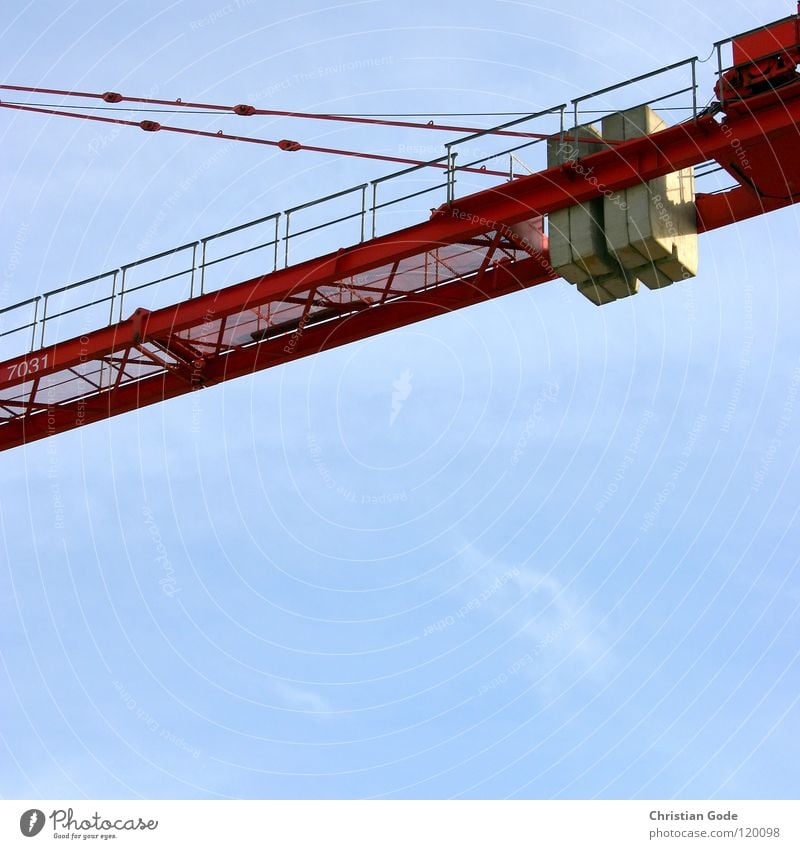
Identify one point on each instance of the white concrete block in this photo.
(651, 228)
(578, 246)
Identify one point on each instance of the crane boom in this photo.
(473, 248)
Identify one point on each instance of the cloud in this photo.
(556, 627)
(300, 699)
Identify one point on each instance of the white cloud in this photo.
(302, 699)
(543, 617)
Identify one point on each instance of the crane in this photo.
(472, 248)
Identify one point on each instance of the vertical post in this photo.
(451, 173)
(277, 240)
(286, 242)
(194, 264)
(374, 207)
(562, 127)
(122, 292)
(44, 321)
(694, 89)
(720, 87)
(203, 267)
(575, 121)
(113, 294)
(363, 210)
(35, 320)
(510, 167)
(449, 154)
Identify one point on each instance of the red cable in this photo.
(246, 110)
(283, 144)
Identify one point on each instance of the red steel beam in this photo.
(499, 280)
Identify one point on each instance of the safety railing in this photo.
(688, 66)
(350, 216)
(547, 122)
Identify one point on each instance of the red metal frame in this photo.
(467, 252)
(763, 58)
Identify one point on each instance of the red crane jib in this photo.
(475, 248)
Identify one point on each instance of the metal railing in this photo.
(434, 178)
(688, 89)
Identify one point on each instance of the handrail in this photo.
(283, 234)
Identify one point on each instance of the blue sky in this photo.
(565, 566)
